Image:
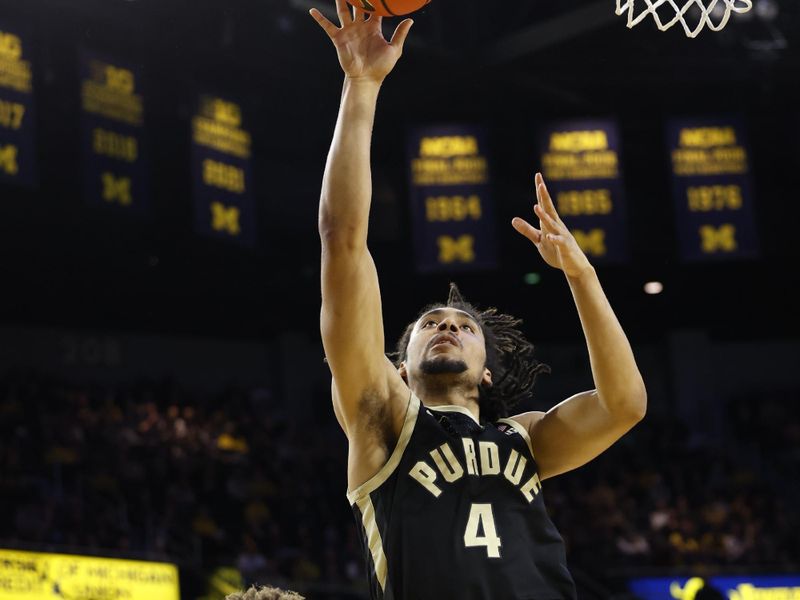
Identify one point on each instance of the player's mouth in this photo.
(445, 338)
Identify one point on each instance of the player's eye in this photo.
(468, 328)
(428, 322)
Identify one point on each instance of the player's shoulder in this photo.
(525, 420)
(523, 425)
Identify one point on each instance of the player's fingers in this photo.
(539, 212)
(537, 181)
(361, 15)
(345, 17)
(546, 201)
(558, 240)
(526, 229)
(326, 25)
(549, 224)
(538, 185)
(544, 198)
(400, 34)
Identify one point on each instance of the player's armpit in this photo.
(375, 415)
(573, 432)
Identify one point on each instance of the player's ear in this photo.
(487, 378)
(403, 371)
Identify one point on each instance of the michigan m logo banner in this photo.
(722, 239)
(117, 189)
(8, 159)
(225, 218)
(593, 242)
(451, 249)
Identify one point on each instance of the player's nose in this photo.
(446, 324)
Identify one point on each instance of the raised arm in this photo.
(578, 429)
(351, 322)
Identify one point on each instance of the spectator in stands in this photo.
(147, 468)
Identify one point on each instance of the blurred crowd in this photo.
(666, 496)
(150, 469)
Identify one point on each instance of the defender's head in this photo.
(264, 593)
(457, 344)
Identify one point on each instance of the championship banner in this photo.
(713, 189)
(222, 172)
(580, 162)
(39, 576)
(778, 587)
(451, 201)
(114, 156)
(17, 118)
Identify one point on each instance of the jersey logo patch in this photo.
(503, 428)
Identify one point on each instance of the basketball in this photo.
(389, 8)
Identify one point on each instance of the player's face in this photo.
(446, 340)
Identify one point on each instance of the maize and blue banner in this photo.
(740, 587)
(222, 172)
(451, 200)
(115, 165)
(17, 117)
(580, 162)
(713, 188)
(41, 576)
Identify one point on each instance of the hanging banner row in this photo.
(450, 178)
(114, 149)
(581, 163)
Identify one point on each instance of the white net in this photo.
(694, 15)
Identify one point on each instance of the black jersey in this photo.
(457, 514)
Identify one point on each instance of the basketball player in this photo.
(446, 491)
(264, 593)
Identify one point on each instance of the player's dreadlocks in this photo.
(264, 593)
(509, 356)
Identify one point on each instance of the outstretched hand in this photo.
(553, 240)
(363, 51)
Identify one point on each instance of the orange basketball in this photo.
(389, 8)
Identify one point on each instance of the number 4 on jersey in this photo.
(480, 516)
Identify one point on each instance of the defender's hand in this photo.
(553, 240)
(363, 51)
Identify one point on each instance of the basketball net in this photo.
(719, 10)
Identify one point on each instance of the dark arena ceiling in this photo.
(509, 65)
